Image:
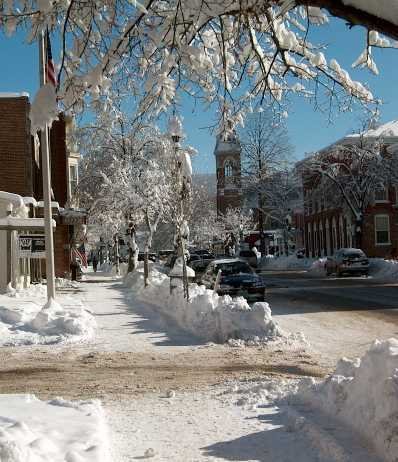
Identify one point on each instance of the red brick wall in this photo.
(15, 146)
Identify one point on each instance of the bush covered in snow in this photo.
(206, 315)
(26, 318)
(362, 394)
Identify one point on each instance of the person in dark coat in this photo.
(95, 263)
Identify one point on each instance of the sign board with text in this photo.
(31, 246)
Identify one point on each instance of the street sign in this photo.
(31, 246)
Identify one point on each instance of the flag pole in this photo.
(45, 160)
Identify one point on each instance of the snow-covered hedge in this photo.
(284, 263)
(206, 315)
(362, 394)
(26, 318)
(57, 430)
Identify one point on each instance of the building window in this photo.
(73, 178)
(382, 230)
(381, 193)
(228, 168)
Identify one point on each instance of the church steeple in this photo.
(228, 165)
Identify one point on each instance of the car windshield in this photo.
(236, 267)
(353, 254)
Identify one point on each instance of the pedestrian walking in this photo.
(95, 263)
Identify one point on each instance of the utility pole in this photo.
(45, 161)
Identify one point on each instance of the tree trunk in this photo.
(358, 233)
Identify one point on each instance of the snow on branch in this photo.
(209, 49)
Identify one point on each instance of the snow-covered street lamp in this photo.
(183, 170)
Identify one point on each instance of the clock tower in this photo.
(228, 165)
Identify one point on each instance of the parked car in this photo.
(164, 254)
(347, 261)
(199, 266)
(249, 256)
(237, 279)
(203, 253)
(193, 257)
(151, 256)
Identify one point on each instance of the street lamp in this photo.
(182, 230)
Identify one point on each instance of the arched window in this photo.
(228, 168)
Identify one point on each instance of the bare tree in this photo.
(265, 151)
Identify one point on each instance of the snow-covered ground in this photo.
(350, 416)
(32, 430)
(246, 420)
(26, 318)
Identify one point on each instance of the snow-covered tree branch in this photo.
(208, 49)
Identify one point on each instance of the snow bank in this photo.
(284, 263)
(317, 268)
(206, 315)
(386, 270)
(57, 430)
(26, 318)
(363, 394)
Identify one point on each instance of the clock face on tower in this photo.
(228, 165)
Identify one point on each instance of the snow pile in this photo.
(206, 315)
(317, 268)
(57, 430)
(384, 269)
(62, 283)
(25, 321)
(285, 263)
(362, 394)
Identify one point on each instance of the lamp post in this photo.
(175, 129)
(116, 239)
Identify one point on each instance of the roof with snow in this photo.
(387, 130)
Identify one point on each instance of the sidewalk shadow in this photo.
(164, 329)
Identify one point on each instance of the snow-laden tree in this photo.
(128, 181)
(265, 151)
(234, 224)
(234, 53)
(281, 193)
(348, 176)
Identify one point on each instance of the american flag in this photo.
(50, 70)
(80, 253)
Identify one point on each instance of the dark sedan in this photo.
(236, 279)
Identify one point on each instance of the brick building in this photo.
(228, 165)
(21, 173)
(329, 224)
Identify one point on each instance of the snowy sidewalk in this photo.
(124, 325)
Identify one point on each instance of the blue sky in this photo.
(308, 129)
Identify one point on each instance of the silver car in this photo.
(347, 261)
